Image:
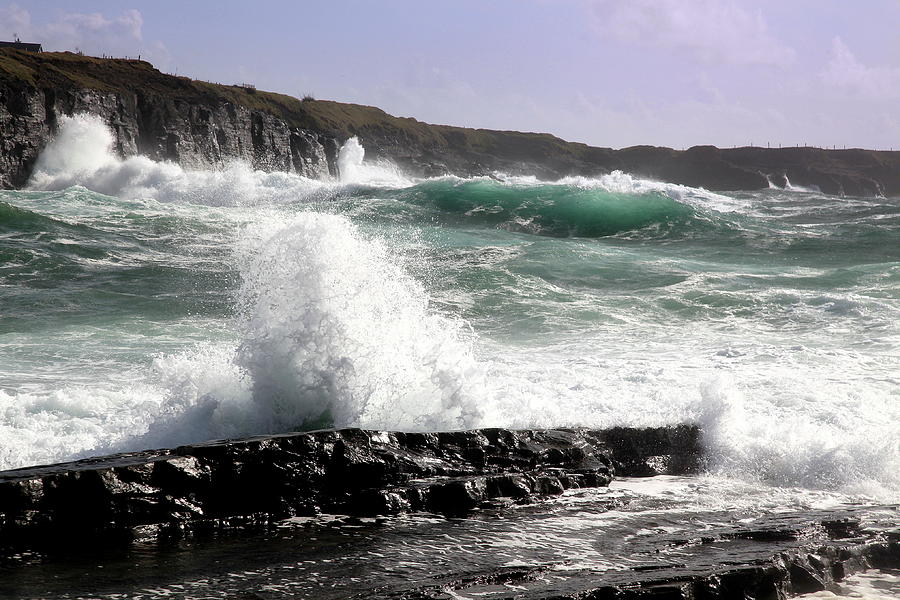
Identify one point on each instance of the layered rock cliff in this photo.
(200, 124)
(149, 113)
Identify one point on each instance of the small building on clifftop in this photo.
(20, 45)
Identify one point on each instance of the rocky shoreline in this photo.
(303, 489)
(351, 472)
(203, 125)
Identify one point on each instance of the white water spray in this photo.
(81, 155)
(334, 325)
(354, 169)
(798, 188)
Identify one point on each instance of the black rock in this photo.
(350, 471)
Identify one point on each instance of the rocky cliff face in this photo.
(162, 128)
(200, 124)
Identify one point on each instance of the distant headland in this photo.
(202, 124)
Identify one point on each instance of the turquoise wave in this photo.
(552, 209)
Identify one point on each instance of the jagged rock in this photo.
(146, 502)
(348, 471)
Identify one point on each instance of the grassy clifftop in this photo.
(64, 70)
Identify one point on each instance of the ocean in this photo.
(145, 305)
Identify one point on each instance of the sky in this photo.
(611, 73)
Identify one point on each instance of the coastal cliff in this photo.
(160, 116)
(200, 124)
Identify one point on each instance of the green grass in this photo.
(15, 70)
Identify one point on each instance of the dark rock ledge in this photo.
(774, 563)
(231, 487)
(350, 471)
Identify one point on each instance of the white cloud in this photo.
(715, 31)
(845, 71)
(93, 33)
(15, 20)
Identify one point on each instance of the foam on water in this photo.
(330, 326)
(867, 585)
(624, 183)
(330, 330)
(765, 423)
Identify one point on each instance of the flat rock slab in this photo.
(487, 514)
(639, 538)
(266, 479)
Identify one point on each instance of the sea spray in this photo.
(798, 447)
(81, 154)
(328, 326)
(333, 326)
(353, 168)
(80, 148)
(331, 333)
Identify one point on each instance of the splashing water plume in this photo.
(333, 326)
(353, 168)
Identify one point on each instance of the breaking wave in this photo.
(181, 306)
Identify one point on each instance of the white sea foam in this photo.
(328, 323)
(867, 585)
(80, 148)
(798, 188)
(623, 183)
(620, 182)
(774, 424)
(81, 154)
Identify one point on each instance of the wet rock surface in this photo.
(488, 513)
(786, 556)
(653, 537)
(351, 471)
